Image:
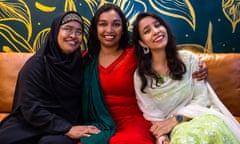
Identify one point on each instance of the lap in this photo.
(102, 137)
(203, 129)
(12, 131)
(133, 131)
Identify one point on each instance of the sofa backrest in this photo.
(224, 77)
(223, 70)
(10, 64)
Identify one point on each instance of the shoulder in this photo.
(84, 53)
(130, 53)
(187, 55)
(33, 66)
(130, 50)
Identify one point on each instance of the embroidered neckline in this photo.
(161, 78)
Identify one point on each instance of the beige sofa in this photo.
(224, 76)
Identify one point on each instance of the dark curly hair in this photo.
(176, 66)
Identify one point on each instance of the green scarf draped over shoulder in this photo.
(95, 111)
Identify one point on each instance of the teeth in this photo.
(159, 38)
(109, 37)
(72, 42)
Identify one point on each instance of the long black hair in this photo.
(93, 42)
(175, 64)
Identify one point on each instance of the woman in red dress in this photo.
(109, 100)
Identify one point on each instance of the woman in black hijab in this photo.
(46, 103)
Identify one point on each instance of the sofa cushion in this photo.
(10, 64)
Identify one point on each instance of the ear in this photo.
(142, 43)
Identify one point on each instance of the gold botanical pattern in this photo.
(41, 36)
(231, 9)
(19, 12)
(44, 8)
(70, 6)
(130, 7)
(176, 8)
(22, 31)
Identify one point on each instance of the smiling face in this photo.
(153, 34)
(109, 29)
(70, 37)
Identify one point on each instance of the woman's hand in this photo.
(77, 132)
(164, 127)
(202, 73)
(164, 139)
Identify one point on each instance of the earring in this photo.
(146, 50)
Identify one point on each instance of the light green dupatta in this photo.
(95, 111)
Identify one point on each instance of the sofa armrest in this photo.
(224, 77)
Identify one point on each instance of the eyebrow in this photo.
(146, 27)
(104, 20)
(153, 23)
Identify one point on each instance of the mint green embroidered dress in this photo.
(211, 122)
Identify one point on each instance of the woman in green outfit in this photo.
(181, 109)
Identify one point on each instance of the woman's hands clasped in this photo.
(161, 129)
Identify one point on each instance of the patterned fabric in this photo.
(204, 129)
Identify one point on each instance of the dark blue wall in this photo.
(200, 25)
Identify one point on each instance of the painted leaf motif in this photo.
(16, 11)
(40, 38)
(176, 8)
(44, 8)
(93, 5)
(231, 11)
(131, 9)
(86, 29)
(14, 39)
(70, 6)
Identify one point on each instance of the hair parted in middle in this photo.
(175, 64)
(93, 41)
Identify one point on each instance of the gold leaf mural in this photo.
(131, 8)
(176, 8)
(16, 11)
(86, 28)
(17, 22)
(44, 8)
(70, 6)
(208, 45)
(94, 4)
(231, 9)
(14, 39)
(197, 48)
(40, 38)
